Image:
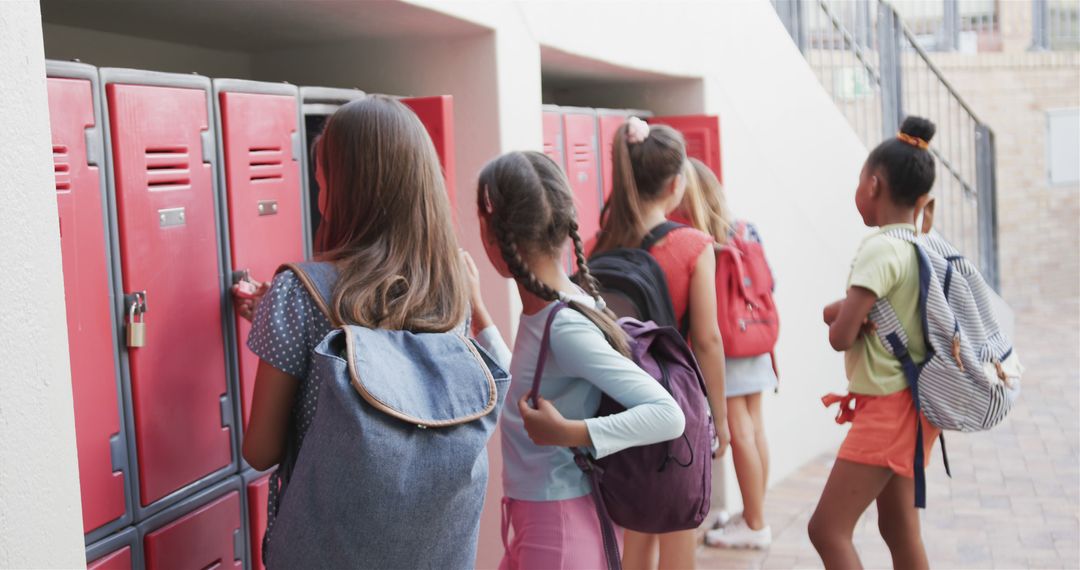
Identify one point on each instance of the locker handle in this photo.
(117, 453)
(226, 412)
(207, 146)
(241, 275)
(238, 545)
(297, 146)
(94, 147)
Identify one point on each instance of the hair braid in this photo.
(585, 278)
(518, 267)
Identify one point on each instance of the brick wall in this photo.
(1039, 224)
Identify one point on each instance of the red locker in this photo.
(263, 192)
(583, 168)
(257, 491)
(88, 294)
(162, 149)
(203, 532)
(437, 114)
(609, 124)
(553, 143)
(119, 551)
(702, 134)
(118, 560)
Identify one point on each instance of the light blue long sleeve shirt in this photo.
(580, 366)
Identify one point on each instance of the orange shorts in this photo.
(883, 431)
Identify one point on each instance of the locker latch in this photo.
(136, 319)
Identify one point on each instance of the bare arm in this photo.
(851, 319)
(264, 439)
(706, 341)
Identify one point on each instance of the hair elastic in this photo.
(637, 130)
(913, 141)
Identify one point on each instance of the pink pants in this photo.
(553, 535)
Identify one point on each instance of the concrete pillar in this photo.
(40, 508)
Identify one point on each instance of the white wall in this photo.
(105, 49)
(40, 512)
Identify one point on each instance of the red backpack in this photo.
(746, 312)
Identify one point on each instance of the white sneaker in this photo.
(739, 535)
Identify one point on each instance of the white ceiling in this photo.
(255, 25)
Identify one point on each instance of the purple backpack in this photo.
(658, 488)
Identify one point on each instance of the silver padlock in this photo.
(136, 329)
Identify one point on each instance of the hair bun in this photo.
(918, 127)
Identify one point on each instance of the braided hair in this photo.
(527, 201)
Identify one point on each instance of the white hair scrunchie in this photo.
(637, 130)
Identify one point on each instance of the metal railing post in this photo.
(986, 188)
(791, 12)
(863, 22)
(889, 31)
(1040, 25)
(950, 26)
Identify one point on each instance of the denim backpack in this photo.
(971, 375)
(658, 488)
(393, 469)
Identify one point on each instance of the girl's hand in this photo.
(723, 434)
(480, 317)
(546, 426)
(246, 297)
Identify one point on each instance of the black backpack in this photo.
(632, 282)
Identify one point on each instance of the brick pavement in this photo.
(1014, 499)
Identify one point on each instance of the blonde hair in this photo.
(704, 202)
(387, 225)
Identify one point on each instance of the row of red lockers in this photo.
(169, 187)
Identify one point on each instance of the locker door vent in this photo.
(582, 153)
(167, 168)
(265, 163)
(61, 168)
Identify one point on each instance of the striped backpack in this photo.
(971, 375)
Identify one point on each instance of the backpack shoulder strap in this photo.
(318, 278)
(658, 233)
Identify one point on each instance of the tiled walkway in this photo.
(1013, 501)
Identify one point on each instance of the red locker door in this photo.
(553, 144)
(117, 560)
(169, 248)
(91, 334)
(608, 125)
(437, 114)
(702, 134)
(262, 184)
(203, 538)
(583, 169)
(257, 492)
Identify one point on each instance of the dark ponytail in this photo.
(641, 170)
(906, 161)
(528, 204)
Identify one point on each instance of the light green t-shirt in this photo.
(889, 268)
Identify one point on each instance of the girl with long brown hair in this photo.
(648, 185)
(527, 215)
(386, 230)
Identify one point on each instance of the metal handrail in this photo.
(926, 59)
(848, 37)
